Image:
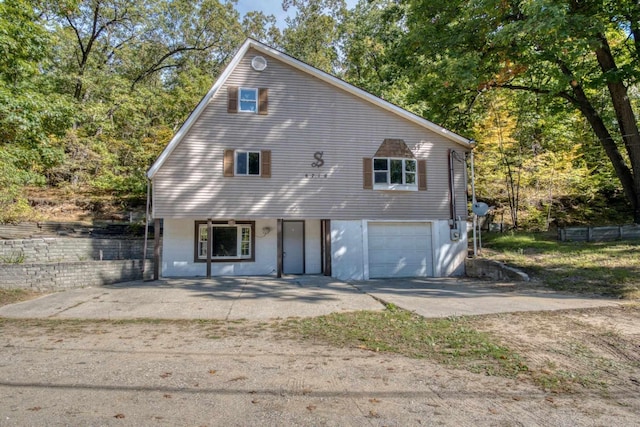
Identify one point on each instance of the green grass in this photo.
(605, 268)
(452, 342)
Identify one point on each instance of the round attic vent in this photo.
(258, 63)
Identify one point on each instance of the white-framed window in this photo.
(247, 162)
(231, 242)
(248, 100)
(394, 174)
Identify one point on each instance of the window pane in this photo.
(202, 241)
(249, 100)
(380, 177)
(254, 163)
(396, 172)
(225, 241)
(248, 94)
(410, 171)
(410, 165)
(380, 164)
(245, 249)
(248, 106)
(241, 163)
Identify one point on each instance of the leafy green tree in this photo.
(584, 53)
(374, 31)
(528, 164)
(261, 27)
(314, 34)
(135, 69)
(31, 115)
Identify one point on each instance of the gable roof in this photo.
(306, 68)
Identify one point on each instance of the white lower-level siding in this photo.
(178, 245)
(349, 250)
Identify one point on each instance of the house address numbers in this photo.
(318, 163)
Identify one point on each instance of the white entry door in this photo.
(400, 249)
(293, 247)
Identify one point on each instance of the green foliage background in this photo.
(91, 91)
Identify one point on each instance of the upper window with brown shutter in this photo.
(232, 99)
(394, 168)
(263, 101)
(247, 100)
(247, 163)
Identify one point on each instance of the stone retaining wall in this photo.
(489, 269)
(67, 275)
(57, 249)
(58, 263)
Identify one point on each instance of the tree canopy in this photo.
(92, 90)
(584, 53)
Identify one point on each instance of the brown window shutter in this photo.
(228, 162)
(232, 99)
(265, 166)
(367, 174)
(263, 101)
(422, 175)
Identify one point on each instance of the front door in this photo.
(293, 247)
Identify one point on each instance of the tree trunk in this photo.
(626, 121)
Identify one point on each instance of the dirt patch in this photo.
(241, 373)
(82, 204)
(595, 350)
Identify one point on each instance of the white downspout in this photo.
(146, 226)
(473, 201)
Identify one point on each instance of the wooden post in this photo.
(209, 246)
(156, 249)
(326, 235)
(279, 249)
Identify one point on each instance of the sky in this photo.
(273, 7)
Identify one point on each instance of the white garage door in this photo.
(399, 249)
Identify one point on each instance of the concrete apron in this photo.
(223, 298)
(444, 297)
(266, 298)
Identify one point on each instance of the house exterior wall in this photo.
(313, 255)
(349, 249)
(450, 255)
(178, 251)
(306, 115)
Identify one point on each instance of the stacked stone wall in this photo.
(50, 264)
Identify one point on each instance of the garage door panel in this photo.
(400, 250)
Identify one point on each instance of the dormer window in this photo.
(394, 167)
(391, 174)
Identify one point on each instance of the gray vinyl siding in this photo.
(306, 115)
